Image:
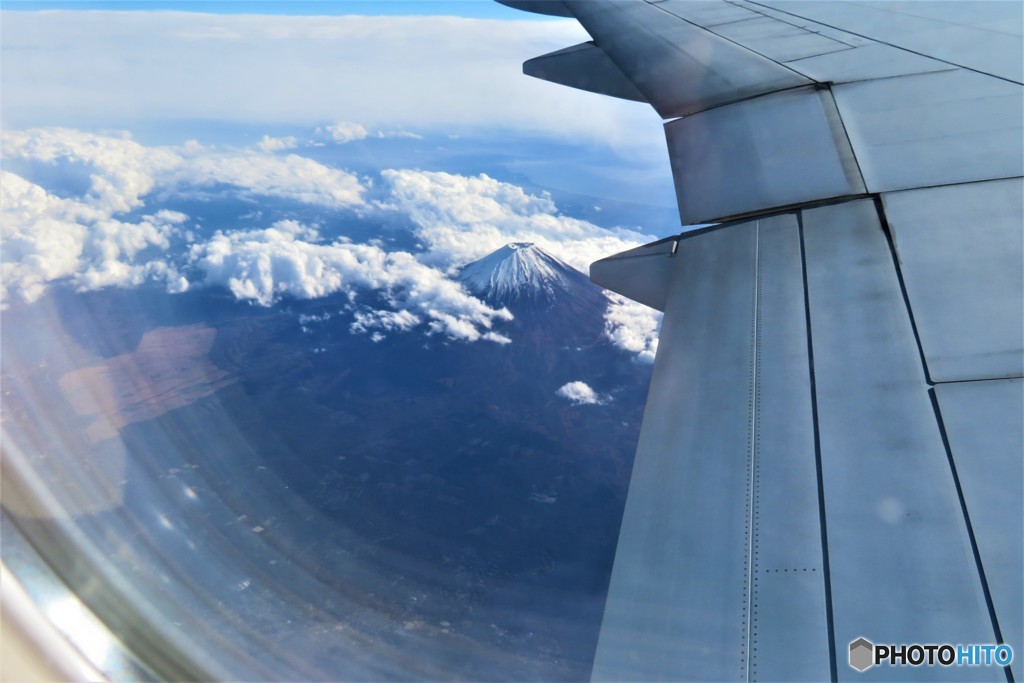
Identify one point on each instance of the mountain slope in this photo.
(553, 303)
(522, 271)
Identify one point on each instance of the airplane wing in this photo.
(832, 444)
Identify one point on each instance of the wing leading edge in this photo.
(832, 445)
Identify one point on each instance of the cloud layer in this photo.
(99, 235)
(288, 259)
(86, 240)
(48, 238)
(461, 218)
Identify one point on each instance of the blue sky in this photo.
(479, 9)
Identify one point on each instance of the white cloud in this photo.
(270, 144)
(304, 318)
(461, 218)
(632, 326)
(288, 259)
(580, 394)
(388, 73)
(47, 237)
(407, 134)
(497, 338)
(288, 177)
(343, 131)
(123, 171)
(391, 321)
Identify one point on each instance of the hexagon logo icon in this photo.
(862, 654)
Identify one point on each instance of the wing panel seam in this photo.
(891, 241)
(826, 566)
(898, 47)
(970, 528)
(755, 358)
(739, 45)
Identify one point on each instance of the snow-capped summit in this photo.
(522, 271)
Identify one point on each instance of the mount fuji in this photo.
(522, 271)
(533, 284)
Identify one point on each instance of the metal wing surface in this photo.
(832, 445)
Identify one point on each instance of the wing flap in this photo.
(720, 552)
(961, 251)
(985, 430)
(902, 569)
